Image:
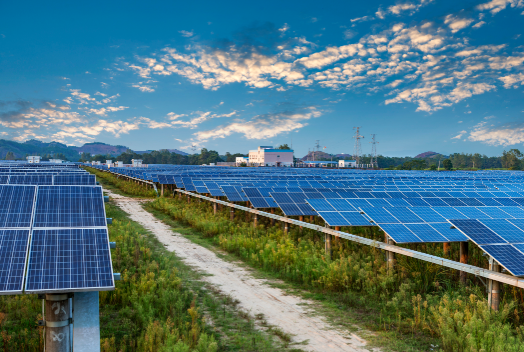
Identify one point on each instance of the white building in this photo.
(242, 160)
(56, 161)
(109, 163)
(119, 164)
(95, 163)
(267, 156)
(33, 159)
(347, 163)
(136, 162)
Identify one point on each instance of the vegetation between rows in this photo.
(417, 301)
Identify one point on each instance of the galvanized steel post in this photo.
(464, 260)
(57, 321)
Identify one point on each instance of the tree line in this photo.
(512, 159)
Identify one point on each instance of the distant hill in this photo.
(432, 155)
(169, 150)
(100, 148)
(72, 153)
(316, 156)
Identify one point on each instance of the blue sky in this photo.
(446, 76)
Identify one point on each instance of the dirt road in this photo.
(288, 312)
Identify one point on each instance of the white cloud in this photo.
(143, 88)
(261, 126)
(513, 80)
(459, 136)
(495, 6)
(479, 24)
(284, 28)
(504, 135)
(104, 111)
(456, 23)
(186, 34)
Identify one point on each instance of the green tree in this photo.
(433, 167)
(10, 156)
(512, 159)
(448, 165)
(283, 146)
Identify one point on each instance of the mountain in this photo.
(317, 156)
(72, 153)
(100, 148)
(169, 150)
(432, 155)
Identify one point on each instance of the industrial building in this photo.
(268, 156)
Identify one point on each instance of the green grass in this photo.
(219, 318)
(411, 308)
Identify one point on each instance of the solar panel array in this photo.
(55, 222)
(410, 206)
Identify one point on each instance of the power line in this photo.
(357, 150)
(374, 159)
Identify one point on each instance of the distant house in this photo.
(33, 159)
(241, 160)
(136, 162)
(55, 161)
(347, 163)
(267, 156)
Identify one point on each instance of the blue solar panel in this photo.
(69, 259)
(507, 256)
(341, 205)
(404, 215)
(400, 233)
(453, 235)
(79, 180)
(16, 206)
(428, 214)
(477, 232)
(426, 233)
(516, 212)
(507, 202)
(69, 206)
(436, 202)
(320, 205)
(379, 215)
(489, 202)
(13, 255)
(281, 197)
(259, 202)
(496, 213)
(398, 202)
(333, 218)
(505, 229)
(378, 202)
(355, 218)
(450, 213)
(306, 209)
(472, 213)
(471, 202)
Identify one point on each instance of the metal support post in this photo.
(390, 255)
(214, 208)
(86, 329)
(286, 227)
(57, 332)
(311, 219)
(327, 240)
(301, 218)
(162, 190)
(188, 199)
(464, 260)
(272, 220)
(255, 220)
(337, 228)
(232, 214)
(494, 287)
(446, 246)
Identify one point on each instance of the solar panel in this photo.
(477, 232)
(333, 218)
(508, 256)
(13, 255)
(69, 206)
(16, 206)
(400, 233)
(69, 260)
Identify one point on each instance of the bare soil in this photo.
(290, 313)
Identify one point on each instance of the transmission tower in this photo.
(357, 151)
(374, 159)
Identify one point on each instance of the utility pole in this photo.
(357, 150)
(374, 159)
(318, 149)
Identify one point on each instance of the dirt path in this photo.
(255, 295)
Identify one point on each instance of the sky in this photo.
(422, 75)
